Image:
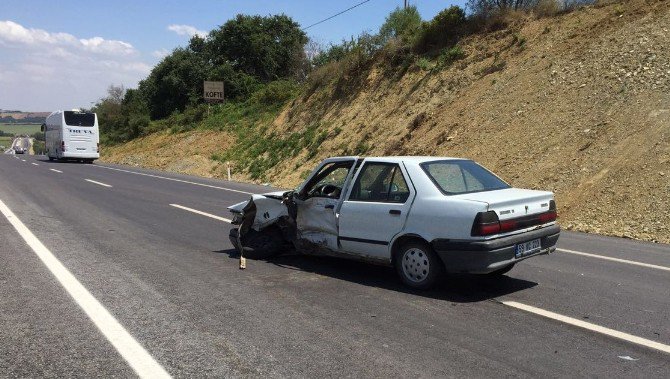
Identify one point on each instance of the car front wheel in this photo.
(262, 245)
(418, 266)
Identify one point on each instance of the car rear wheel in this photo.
(418, 266)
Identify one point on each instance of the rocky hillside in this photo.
(578, 104)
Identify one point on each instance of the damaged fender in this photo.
(260, 211)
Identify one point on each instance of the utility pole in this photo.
(405, 4)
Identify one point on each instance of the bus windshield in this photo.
(79, 118)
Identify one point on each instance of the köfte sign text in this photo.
(213, 91)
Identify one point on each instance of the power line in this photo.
(335, 15)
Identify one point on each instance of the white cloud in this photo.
(44, 71)
(186, 30)
(13, 34)
(160, 54)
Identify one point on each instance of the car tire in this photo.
(501, 271)
(262, 245)
(418, 266)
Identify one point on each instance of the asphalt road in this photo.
(171, 279)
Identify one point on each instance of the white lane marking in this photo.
(98, 183)
(176, 180)
(137, 357)
(33, 163)
(23, 160)
(201, 213)
(54, 170)
(636, 263)
(589, 326)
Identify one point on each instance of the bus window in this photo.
(79, 118)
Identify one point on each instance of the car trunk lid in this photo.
(512, 203)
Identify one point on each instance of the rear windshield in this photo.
(79, 118)
(455, 177)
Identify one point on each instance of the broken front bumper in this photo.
(483, 257)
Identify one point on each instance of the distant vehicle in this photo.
(423, 215)
(19, 149)
(72, 135)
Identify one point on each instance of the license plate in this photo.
(528, 248)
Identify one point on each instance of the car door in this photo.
(375, 209)
(317, 221)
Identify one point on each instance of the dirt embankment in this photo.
(185, 153)
(578, 104)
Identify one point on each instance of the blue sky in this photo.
(50, 57)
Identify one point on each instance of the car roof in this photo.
(406, 159)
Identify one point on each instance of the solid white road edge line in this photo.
(615, 259)
(201, 213)
(137, 357)
(98, 183)
(589, 326)
(33, 163)
(175, 180)
(54, 170)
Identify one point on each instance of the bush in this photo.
(450, 56)
(275, 93)
(446, 28)
(39, 147)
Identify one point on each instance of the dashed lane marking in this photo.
(137, 357)
(98, 183)
(201, 213)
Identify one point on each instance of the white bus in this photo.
(72, 135)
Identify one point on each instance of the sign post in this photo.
(212, 92)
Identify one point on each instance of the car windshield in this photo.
(455, 177)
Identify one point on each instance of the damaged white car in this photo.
(423, 215)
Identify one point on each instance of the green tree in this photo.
(402, 23)
(267, 48)
(175, 82)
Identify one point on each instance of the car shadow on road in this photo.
(457, 288)
(56, 162)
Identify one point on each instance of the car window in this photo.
(399, 191)
(334, 174)
(461, 176)
(380, 182)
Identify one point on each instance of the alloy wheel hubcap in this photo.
(415, 265)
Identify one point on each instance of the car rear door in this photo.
(375, 209)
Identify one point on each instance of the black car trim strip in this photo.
(362, 240)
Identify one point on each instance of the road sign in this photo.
(213, 91)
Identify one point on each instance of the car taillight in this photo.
(486, 224)
(550, 215)
(508, 225)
